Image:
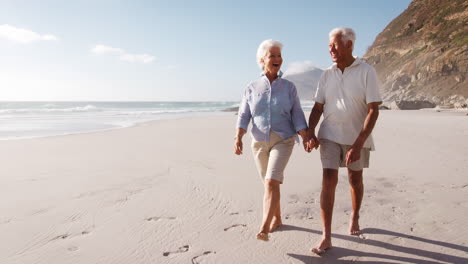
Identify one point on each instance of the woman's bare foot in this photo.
(275, 224)
(262, 236)
(354, 229)
(323, 246)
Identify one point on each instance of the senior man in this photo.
(348, 97)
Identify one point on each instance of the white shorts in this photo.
(272, 157)
(333, 156)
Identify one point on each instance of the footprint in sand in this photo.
(388, 184)
(293, 199)
(453, 186)
(5, 221)
(40, 211)
(64, 236)
(60, 237)
(236, 225)
(73, 248)
(182, 249)
(197, 259)
(157, 218)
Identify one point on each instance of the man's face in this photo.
(273, 60)
(339, 50)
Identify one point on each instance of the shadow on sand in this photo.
(422, 256)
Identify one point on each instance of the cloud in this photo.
(143, 58)
(23, 36)
(300, 67)
(122, 54)
(103, 49)
(49, 37)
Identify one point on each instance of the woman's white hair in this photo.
(263, 49)
(345, 33)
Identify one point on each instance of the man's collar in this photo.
(356, 62)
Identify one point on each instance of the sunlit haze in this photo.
(166, 50)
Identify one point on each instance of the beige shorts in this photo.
(333, 156)
(272, 157)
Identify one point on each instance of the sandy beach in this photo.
(172, 191)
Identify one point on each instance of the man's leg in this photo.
(271, 202)
(327, 200)
(357, 192)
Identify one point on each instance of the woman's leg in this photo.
(261, 153)
(276, 222)
(279, 156)
(271, 203)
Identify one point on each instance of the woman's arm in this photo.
(298, 118)
(238, 146)
(243, 120)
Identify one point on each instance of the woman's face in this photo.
(273, 60)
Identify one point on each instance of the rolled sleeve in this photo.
(320, 93)
(244, 114)
(297, 115)
(372, 87)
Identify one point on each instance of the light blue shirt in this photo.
(273, 107)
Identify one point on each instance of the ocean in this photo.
(20, 120)
(39, 119)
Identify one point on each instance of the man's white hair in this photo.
(263, 49)
(345, 33)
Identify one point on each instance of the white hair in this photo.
(263, 49)
(345, 33)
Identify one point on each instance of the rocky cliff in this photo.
(422, 55)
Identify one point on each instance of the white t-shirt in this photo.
(345, 97)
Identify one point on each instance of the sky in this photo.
(123, 50)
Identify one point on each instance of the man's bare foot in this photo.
(275, 224)
(354, 229)
(262, 236)
(323, 246)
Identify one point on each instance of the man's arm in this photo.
(314, 118)
(354, 153)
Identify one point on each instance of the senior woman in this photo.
(272, 104)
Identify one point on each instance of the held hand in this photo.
(306, 144)
(353, 154)
(238, 146)
(305, 140)
(314, 142)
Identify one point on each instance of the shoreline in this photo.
(198, 114)
(133, 124)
